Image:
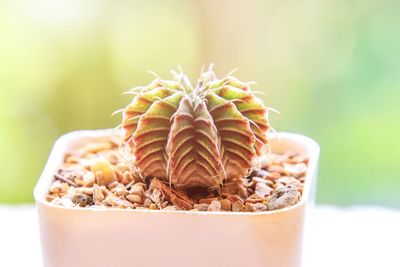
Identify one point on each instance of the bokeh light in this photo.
(330, 67)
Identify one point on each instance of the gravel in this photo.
(96, 175)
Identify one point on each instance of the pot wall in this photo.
(115, 237)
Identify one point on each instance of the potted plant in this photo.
(193, 179)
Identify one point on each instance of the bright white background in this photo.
(346, 237)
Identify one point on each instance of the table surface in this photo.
(352, 236)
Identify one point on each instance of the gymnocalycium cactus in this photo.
(195, 136)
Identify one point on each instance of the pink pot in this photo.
(116, 237)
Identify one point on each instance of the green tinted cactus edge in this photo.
(195, 136)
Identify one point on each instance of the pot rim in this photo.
(60, 146)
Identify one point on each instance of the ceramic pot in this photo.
(119, 237)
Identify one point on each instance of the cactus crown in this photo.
(195, 136)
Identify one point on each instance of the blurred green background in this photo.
(331, 67)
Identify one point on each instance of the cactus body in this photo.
(195, 136)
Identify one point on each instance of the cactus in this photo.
(196, 136)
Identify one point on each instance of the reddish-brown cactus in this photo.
(195, 136)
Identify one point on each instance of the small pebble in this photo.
(276, 168)
(66, 202)
(56, 187)
(249, 207)
(156, 196)
(102, 165)
(214, 206)
(84, 190)
(113, 185)
(255, 198)
(259, 207)
(147, 202)
(234, 198)
(225, 204)
(126, 177)
(120, 190)
(88, 179)
(263, 190)
(288, 180)
(153, 206)
(137, 189)
(237, 206)
(262, 173)
(50, 198)
(98, 195)
(283, 197)
(295, 170)
(99, 178)
(273, 176)
(298, 159)
(134, 199)
(278, 186)
(114, 201)
(164, 204)
(94, 147)
(261, 180)
(201, 207)
(82, 200)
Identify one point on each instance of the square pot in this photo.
(120, 237)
